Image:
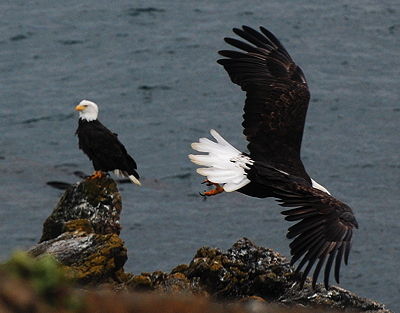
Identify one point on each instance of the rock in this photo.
(247, 270)
(82, 234)
(244, 270)
(247, 273)
(29, 285)
(95, 200)
(161, 282)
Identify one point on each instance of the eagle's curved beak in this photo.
(79, 107)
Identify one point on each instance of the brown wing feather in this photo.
(277, 98)
(324, 231)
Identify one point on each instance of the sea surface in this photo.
(151, 67)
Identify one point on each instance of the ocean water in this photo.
(150, 66)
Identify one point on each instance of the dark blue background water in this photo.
(150, 65)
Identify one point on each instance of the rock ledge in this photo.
(82, 233)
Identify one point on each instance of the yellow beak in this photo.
(79, 107)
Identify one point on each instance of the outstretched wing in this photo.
(324, 232)
(277, 98)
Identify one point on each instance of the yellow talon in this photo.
(218, 189)
(97, 174)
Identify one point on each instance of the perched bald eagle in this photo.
(102, 146)
(275, 109)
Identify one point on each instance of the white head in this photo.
(88, 110)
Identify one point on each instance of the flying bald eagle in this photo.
(102, 146)
(275, 109)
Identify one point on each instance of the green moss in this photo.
(46, 277)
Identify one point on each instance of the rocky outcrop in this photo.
(41, 286)
(245, 270)
(82, 234)
(95, 200)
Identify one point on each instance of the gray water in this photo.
(150, 65)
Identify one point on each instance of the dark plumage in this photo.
(103, 146)
(277, 98)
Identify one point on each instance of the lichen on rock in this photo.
(82, 233)
(244, 270)
(95, 200)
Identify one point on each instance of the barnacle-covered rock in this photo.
(335, 298)
(82, 236)
(244, 270)
(95, 200)
(161, 282)
(82, 233)
(247, 271)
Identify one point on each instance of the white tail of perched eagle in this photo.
(125, 174)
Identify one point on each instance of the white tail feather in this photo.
(225, 164)
(135, 180)
(125, 174)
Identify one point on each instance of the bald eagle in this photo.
(277, 98)
(102, 146)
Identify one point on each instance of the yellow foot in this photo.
(97, 174)
(218, 189)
